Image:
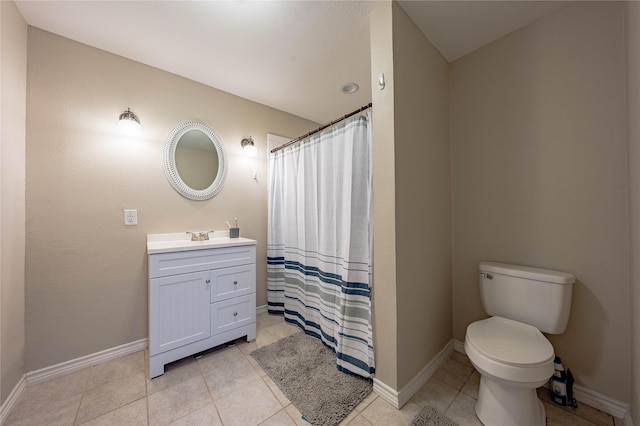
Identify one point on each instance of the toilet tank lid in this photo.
(527, 272)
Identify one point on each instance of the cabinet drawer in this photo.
(166, 264)
(232, 282)
(232, 313)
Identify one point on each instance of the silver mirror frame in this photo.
(171, 171)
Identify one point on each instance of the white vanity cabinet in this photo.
(200, 296)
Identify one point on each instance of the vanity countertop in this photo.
(181, 241)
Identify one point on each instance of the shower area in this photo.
(319, 246)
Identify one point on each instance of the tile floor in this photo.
(227, 387)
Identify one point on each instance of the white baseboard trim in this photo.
(261, 309)
(399, 398)
(67, 367)
(458, 346)
(590, 397)
(12, 399)
(602, 402)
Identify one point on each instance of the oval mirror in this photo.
(194, 161)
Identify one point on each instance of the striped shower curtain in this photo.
(318, 244)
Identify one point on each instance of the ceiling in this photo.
(290, 55)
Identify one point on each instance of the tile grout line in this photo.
(213, 401)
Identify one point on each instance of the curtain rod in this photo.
(319, 129)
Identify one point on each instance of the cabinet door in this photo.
(179, 311)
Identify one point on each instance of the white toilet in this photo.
(508, 349)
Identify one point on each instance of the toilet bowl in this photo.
(513, 360)
(508, 349)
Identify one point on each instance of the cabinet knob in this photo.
(208, 281)
(235, 314)
(235, 283)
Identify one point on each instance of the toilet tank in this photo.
(539, 297)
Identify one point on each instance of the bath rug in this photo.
(428, 416)
(305, 371)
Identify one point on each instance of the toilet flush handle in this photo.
(487, 276)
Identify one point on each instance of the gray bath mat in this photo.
(305, 371)
(428, 416)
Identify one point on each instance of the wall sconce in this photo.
(129, 122)
(249, 148)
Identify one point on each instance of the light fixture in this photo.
(250, 149)
(129, 122)
(350, 88)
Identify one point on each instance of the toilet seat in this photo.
(510, 342)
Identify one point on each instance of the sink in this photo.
(181, 241)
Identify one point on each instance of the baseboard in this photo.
(628, 421)
(590, 397)
(458, 346)
(67, 367)
(602, 402)
(261, 309)
(399, 398)
(12, 399)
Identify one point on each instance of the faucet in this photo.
(199, 236)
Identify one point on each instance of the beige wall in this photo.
(539, 177)
(412, 217)
(423, 198)
(86, 275)
(385, 309)
(633, 126)
(12, 196)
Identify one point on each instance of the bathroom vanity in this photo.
(201, 294)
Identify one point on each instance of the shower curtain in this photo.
(318, 244)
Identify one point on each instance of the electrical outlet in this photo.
(130, 216)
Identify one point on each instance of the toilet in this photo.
(508, 349)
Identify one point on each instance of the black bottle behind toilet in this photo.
(562, 385)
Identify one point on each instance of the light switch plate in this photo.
(130, 216)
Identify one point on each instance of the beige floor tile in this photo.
(207, 415)
(381, 413)
(134, 414)
(64, 387)
(352, 415)
(281, 330)
(174, 373)
(472, 385)
(463, 411)
(359, 420)
(229, 376)
(233, 408)
(557, 416)
(58, 412)
(295, 415)
(282, 399)
(281, 418)
(263, 338)
(178, 401)
(116, 369)
(219, 357)
(256, 367)
(436, 394)
(265, 319)
(453, 373)
(461, 358)
(365, 402)
(111, 395)
(583, 411)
